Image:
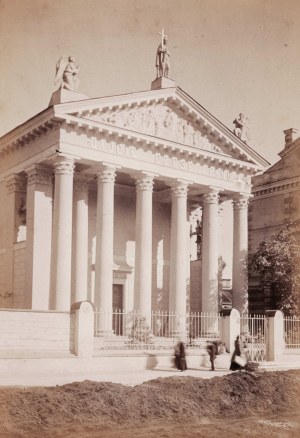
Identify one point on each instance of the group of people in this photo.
(238, 359)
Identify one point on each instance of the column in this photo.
(81, 227)
(178, 254)
(221, 263)
(16, 189)
(38, 236)
(62, 233)
(104, 248)
(240, 253)
(143, 245)
(210, 251)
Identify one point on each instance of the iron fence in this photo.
(292, 332)
(253, 336)
(120, 329)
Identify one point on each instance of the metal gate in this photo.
(253, 336)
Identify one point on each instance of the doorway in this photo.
(117, 309)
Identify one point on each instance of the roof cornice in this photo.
(92, 128)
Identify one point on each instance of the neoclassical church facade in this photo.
(99, 197)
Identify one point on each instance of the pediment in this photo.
(160, 121)
(168, 114)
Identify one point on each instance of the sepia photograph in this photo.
(149, 218)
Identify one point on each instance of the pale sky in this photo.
(231, 56)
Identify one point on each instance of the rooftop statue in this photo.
(66, 73)
(163, 57)
(241, 127)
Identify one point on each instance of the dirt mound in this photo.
(93, 406)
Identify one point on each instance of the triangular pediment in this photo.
(168, 114)
(162, 121)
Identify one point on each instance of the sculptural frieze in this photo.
(160, 121)
(66, 73)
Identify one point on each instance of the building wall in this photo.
(276, 200)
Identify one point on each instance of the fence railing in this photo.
(119, 329)
(253, 334)
(292, 332)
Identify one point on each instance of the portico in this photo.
(108, 186)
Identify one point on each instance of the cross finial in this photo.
(163, 36)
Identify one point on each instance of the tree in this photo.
(277, 261)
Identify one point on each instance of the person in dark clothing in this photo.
(180, 361)
(234, 365)
(212, 350)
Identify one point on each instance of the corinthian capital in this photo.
(16, 183)
(144, 182)
(180, 190)
(240, 202)
(39, 174)
(211, 197)
(64, 166)
(107, 174)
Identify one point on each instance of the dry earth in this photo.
(262, 404)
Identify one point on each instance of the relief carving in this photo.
(160, 121)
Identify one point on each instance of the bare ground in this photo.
(262, 404)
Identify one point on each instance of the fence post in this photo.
(274, 334)
(83, 328)
(230, 327)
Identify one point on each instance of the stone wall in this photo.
(32, 331)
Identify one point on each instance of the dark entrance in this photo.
(118, 309)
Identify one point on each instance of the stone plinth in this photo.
(162, 82)
(62, 96)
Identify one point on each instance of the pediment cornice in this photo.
(28, 131)
(182, 103)
(99, 130)
(230, 149)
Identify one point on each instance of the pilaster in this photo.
(39, 232)
(15, 200)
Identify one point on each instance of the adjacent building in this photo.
(275, 201)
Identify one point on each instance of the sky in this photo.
(231, 56)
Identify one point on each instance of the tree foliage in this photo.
(277, 261)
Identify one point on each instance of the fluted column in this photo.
(62, 233)
(178, 253)
(81, 224)
(104, 247)
(210, 251)
(38, 236)
(143, 245)
(240, 253)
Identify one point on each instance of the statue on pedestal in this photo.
(163, 57)
(241, 127)
(66, 73)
